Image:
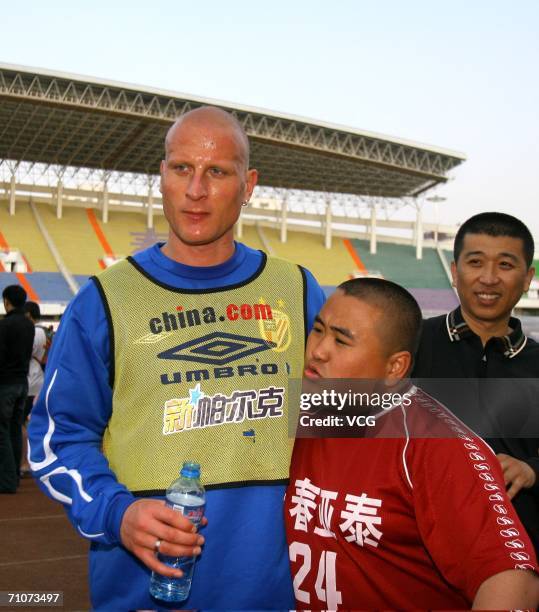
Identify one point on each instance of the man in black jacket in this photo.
(16, 341)
(480, 342)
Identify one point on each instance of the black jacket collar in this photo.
(15, 311)
(510, 345)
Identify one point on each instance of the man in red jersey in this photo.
(412, 515)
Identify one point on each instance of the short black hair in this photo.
(15, 295)
(402, 319)
(495, 224)
(33, 310)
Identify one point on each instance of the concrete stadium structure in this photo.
(68, 140)
(72, 141)
(63, 123)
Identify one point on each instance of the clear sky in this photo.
(461, 75)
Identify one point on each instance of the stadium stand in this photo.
(125, 233)
(250, 237)
(100, 201)
(21, 232)
(425, 278)
(399, 264)
(330, 266)
(86, 244)
(45, 286)
(83, 147)
(74, 237)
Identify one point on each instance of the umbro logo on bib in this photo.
(217, 348)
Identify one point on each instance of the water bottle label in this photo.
(193, 513)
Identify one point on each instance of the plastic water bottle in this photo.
(185, 495)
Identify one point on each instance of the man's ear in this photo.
(529, 277)
(251, 179)
(398, 366)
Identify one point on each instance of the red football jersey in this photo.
(416, 517)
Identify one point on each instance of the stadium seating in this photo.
(330, 267)
(21, 232)
(86, 243)
(42, 286)
(250, 237)
(73, 237)
(398, 263)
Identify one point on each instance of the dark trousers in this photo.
(12, 402)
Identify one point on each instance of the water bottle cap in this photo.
(190, 469)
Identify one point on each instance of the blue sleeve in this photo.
(69, 419)
(315, 298)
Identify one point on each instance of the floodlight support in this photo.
(284, 217)
(12, 191)
(419, 233)
(436, 199)
(105, 210)
(59, 191)
(328, 235)
(373, 230)
(150, 202)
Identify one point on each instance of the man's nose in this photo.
(197, 189)
(489, 275)
(320, 350)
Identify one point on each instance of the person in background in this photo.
(35, 371)
(16, 341)
(182, 352)
(480, 340)
(411, 513)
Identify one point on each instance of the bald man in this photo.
(181, 352)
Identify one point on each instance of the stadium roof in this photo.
(64, 119)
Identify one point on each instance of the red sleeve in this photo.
(465, 518)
